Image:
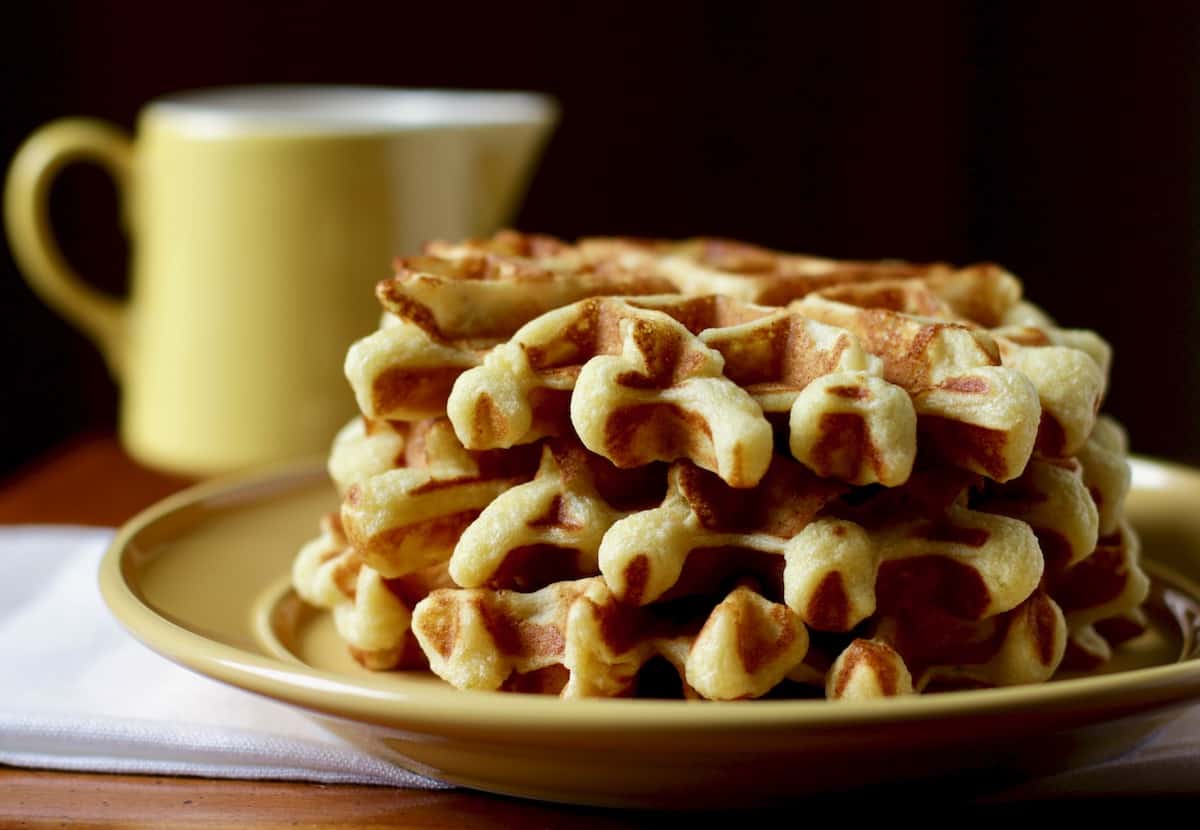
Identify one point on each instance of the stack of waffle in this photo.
(710, 470)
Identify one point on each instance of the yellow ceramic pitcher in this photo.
(260, 219)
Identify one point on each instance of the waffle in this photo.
(974, 412)
(952, 570)
(1068, 369)
(1050, 497)
(442, 312)
(1106, 474)
(1087, 603)
(491, 295)
(364, 448)
(371, 614)
(830, 568)
(406, 519)
(711, 470)
(1108, 583)
(1091, 646)
(638, 386)
(1102, 594)
(849, 364)
(663, 378)
(919, 651)
(549, 529)
(740, 647)
(981, 399)
(758, 275)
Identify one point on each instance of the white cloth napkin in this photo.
(79, 693)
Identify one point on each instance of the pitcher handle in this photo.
(27, 220)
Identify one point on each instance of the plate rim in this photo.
(388, 703)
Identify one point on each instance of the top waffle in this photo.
(652, 351)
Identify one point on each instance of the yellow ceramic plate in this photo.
(202, 579)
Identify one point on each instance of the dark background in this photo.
(1057, 139)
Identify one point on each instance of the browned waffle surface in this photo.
(706, 469)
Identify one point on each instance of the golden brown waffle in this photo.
(479, 296)
(741, 646)
(975, 413)
(971, 390)
(924, 649)
(920, 588)
(834, 572)
(755, 274)
(371, 613)
(365, 448)
(1091, 646)
(1104, 458)
(402, 372)
(854, 378)
(843, 420)
(433, 488)
(1108, 583)
(1069, 369)
(549, 529)
(409, 518)
(1102, 594)
(661, 378)
(578, 465)
(1051, 497)
(1089, 600)
(641, 387)
(445, 309)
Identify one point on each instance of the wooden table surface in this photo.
(91, 481)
